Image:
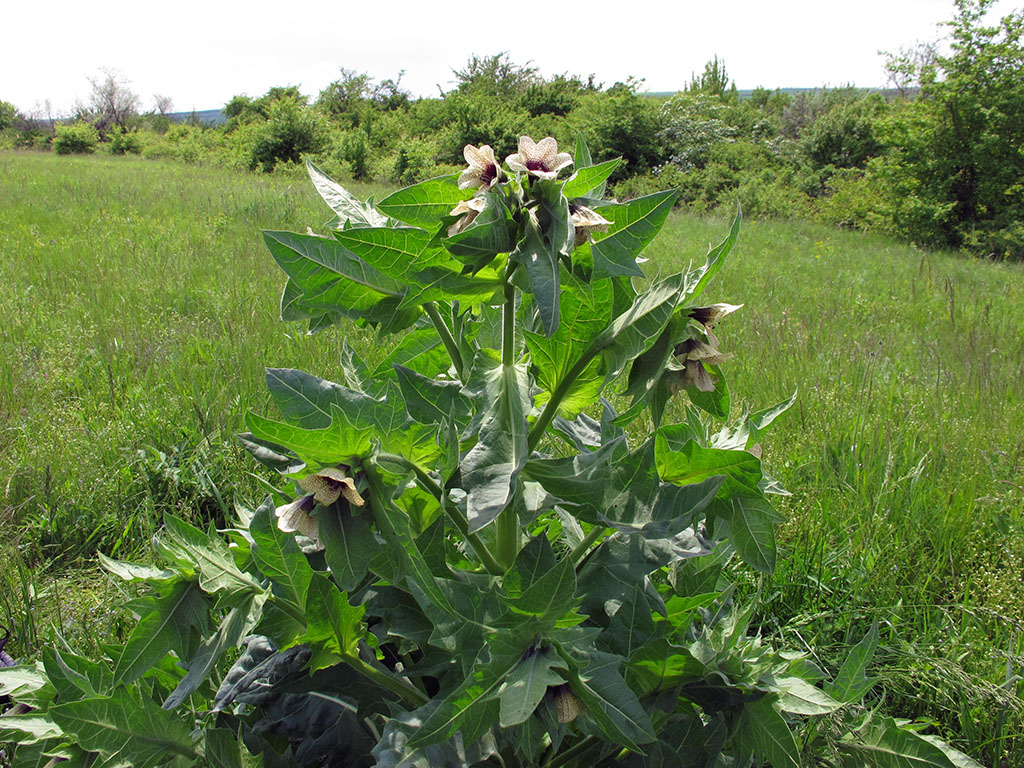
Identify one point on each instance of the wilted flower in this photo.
(586, 221)
(468, 210)
(541, 159)
(567, 704)
(329, 483)
(710, 315)
(483, 171)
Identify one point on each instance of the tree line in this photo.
(938, 159)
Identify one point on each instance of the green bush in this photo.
(291, 131)
(125, 142)
(75, 138)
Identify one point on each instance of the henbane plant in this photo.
(489, 547)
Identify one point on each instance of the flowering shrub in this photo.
(471, 561)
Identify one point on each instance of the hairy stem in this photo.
(397, 685)
(431, 486)
(507, 532)
(551, 408)
(581, 549)
(446, 338)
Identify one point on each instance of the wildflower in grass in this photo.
(468, 210)
(694, 354)
(541, 159)
(483, 171)
(329, 483)
(586, 221)
(297, 517)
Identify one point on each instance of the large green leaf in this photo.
(692, 463)
(633, 226)
(801, 698)
(490, 468)
(208, 551)
(426, 203)
(351, 211)
(538, 584)
(238, 622)
(633, 331)
(753, 531)
(349, 544)
(697, 280)
(125, 730)
(27, 685)
(440, 284)
(433, 401)
(420, 350)
(883, 744)
(527, 683)
(339, 442)
(852, 682)
(334, 624)
(773, 740)
(395, 251)
(28, 729)
(393, 749)
(492, 232)
(165, 624)
(542, 271)
(279, 557)
(611, 704)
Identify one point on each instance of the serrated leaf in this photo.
(538, 584)
(125, 730)
(217, 569)
(279, 557)
(633, 226)
(542, 271)
(753, 532)
(395, 251)
(27, 685)
(801, 698)
(492, 232)
(433, 401)
(633, 331)
(851, 682)
(28, 729)
(420, 350)
(692, 463)
(166, 626)
(611, 704)
(134, 571)
(526, 685)
(349, 544)
(440, 284)
(883, 744)
(334, 624)
(426, 203)
(393, 750)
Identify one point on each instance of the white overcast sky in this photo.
(202, 53)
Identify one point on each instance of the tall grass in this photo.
(140, 307)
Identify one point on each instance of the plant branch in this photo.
(446, 338)
(581, 549)
(397, 685)
(575, 751)
(431, 486)
(551, 408)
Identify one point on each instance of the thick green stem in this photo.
(581, 549)
(507, 532)
(446, 338)
(430, 486)
(577, 750)
(397, 685)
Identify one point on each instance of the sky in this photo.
(200, 54)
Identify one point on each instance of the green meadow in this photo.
(140, 307)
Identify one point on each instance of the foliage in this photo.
(957, 152)
(288, 134)
(125, 142)
(75, 138)
(112, 102)
(8, 115)
(489, 569)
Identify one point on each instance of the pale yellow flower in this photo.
(483, 171)
(296, 517)
(586, 221)
(541, 159)
(329, 483)
(467, 210)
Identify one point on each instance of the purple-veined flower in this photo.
(541, 159)
(586, 221)
(710, 315)
(483, 171)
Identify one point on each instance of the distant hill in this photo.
(203, 116)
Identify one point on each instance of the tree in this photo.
(112, 102)
(959, 150)
(714, 81)
(8, 115)
(162, 105)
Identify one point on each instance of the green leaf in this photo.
(125, 730)
(773, 741)
(279, 557)
(74, 677)
(633, 226)
(217, 569)
(716, 402)
(334, 625)
(236, 625)
(27, 685)
(440, 284)
(339, 442)
(349, 544)
(223, 748)
(542, 271)
(421, 350)
(490, 469)
(136, 572)
(350, 210)
(611, 704)
(526, 685)
(589, 181)
(166, 625)
(801, 698)
(753, 532)
(883, 744)
(395, 251)
(28, 729)
(638, 327)
(692, 463)
(492, 232)
(393, 749)
(539, 585)
(852, 682)
(426, 203)
(433, 401)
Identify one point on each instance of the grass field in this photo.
(139, 308)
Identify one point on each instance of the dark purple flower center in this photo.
(489, 174)
(536, 165)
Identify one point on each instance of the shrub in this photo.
(75, 138)
(125, 142)
(290, 131)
